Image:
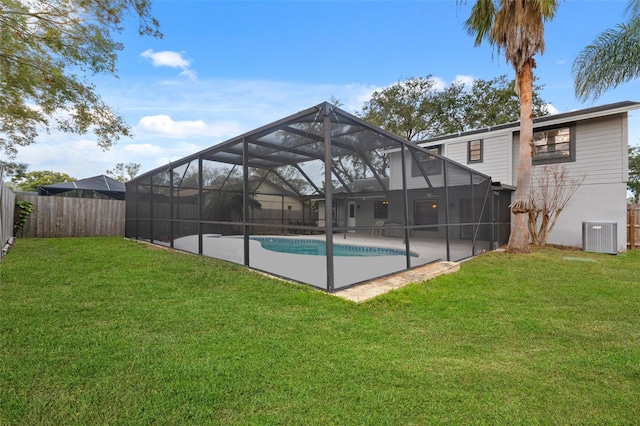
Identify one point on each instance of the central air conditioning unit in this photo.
(600, 237)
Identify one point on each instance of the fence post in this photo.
(632, 227)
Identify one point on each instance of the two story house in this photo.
(591, 143)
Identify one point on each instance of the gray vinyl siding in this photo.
(395, 171)
(395, 178)
(592, 203)
(496, 160)
(601, 151)
(601, 156)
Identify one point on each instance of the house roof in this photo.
(257, 185)
(364, 185)
(101, 184)
(547, 120)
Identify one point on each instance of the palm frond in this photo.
(481, 21)
(547, 8)
(518, 29)
(633, 9)
(612, 59)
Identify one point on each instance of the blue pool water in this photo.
(319, 248)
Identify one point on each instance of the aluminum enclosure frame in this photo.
(295, 159)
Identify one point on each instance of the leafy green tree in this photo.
(612, 59)
(486, 103)
(405, 108)
(124, 172)
(14, 171)
(416, 110)
(517, 28)
(634, 173)
(47, 50)
(291, 178)
(32, 180)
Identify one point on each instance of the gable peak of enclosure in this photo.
(320, 197)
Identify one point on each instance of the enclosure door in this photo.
(351, 215)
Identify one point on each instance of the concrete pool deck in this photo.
(355, 278)
(309, 269)
(372, 273)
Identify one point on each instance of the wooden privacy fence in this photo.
(87, 217)
(72, 217)
(7, 205)
(633, 226)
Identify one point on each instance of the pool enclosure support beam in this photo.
(318, 190)
(445, 167)
(405, 199)
(475, 224)
(151, 209)
(245, 198)
(328, 211)
(488, 198)
(285, 181)
(200, 205)
(337, 175)
(414, 156)
(372, 169)
(134, 223)
(170, 173)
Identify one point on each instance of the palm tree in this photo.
(517, 28)
(612, 59)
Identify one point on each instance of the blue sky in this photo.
(227, 67)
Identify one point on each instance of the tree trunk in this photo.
(519, 239)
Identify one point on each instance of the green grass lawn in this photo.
(108, 331)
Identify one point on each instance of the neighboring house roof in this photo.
(547, 120)
(101, 184)
(257, 185)
(364, 185)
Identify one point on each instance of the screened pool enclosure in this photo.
(320, 197)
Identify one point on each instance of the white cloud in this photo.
(440, 83)
(143, 149)
(164, 126)
(166, 59)
(190, 74)
(552, 109)
(467, 80)
(172, 121)
(171, 59)
(76, 156)
(356, 95)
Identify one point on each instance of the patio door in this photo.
(351, 215)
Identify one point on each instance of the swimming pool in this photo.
(319, 248)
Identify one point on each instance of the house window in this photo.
(431, 164)
(425, 212)
(554, 145)
(380, 209)
(474, 151)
